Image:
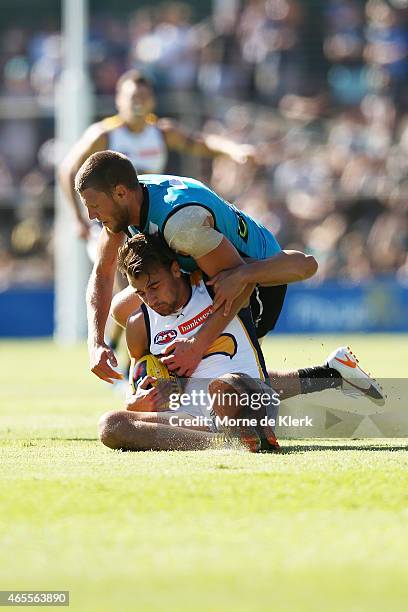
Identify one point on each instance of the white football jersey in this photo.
(146, 150)
(235, 350)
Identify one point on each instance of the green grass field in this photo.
(324, 526)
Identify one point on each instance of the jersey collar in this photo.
(144, 212)
(144, 209)
(179, 312)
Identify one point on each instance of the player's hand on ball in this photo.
(228, 285)
(102, 361)
(182, 356)
(148, 398)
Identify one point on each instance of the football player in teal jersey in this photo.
(204, 230)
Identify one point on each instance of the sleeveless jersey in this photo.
(146, 150)
(235, 350)
(168, 194)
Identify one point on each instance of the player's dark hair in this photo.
(105, 170)
(136, 77)
(141, 254)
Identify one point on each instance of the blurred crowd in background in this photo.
(321, 89)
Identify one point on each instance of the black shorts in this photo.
(266, 305)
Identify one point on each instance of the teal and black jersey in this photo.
(164, 195)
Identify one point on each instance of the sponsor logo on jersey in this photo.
(242, 228)
(166, 336)
(199, 319)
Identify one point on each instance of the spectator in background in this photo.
(343, 48)
(387, 48)
(165, 46)
(270, 40)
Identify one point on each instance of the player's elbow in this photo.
(299, 266)
(309, 266)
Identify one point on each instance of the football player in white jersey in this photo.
(174, 306)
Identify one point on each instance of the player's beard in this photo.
(177, 299)
(121, 223)
(166, 308)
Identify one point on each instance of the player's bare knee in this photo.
(120, 432)
(109, 428)
(217, 386)
(224, 392)
(224, 383)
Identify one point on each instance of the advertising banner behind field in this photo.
(333, 307)
(377, 306)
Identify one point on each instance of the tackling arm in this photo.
(224, 257)
(98, 301)
(281, 269)
(188, 353)
(191, 231)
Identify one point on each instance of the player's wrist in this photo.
(246, 273)
(96, 343)
(134, 403)
(200, 341)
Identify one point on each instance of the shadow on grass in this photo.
(304, 448)
(284, 450)
(62, 439)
